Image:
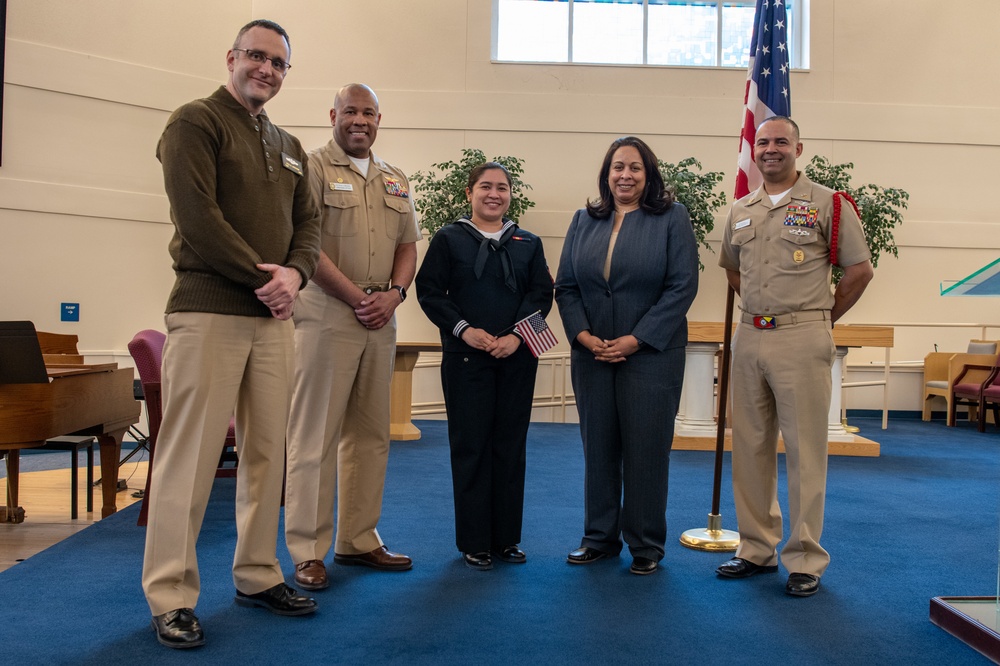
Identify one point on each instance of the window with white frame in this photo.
(686, 33)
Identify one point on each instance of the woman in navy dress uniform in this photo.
(627, 276)
(481, 274)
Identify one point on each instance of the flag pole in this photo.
(767, 94)
(714, 538)
(514, 325)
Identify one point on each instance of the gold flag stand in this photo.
(714, 538)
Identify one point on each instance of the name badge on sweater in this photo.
(291, 164)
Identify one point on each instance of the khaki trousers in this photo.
(338, 430)
(214, 365)
(781, 381)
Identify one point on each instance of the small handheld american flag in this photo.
(536, 334)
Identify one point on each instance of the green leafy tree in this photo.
(881, 208)
(697, 191)
(440, 199)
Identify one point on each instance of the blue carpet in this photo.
(918, 522)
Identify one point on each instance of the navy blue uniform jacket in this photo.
(449, 292)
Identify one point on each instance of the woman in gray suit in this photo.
(627, 276)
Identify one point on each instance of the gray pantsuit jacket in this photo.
(627, 409)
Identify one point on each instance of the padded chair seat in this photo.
(967, 390)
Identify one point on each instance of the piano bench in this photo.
(73, 444)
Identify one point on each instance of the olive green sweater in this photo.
(238, 197)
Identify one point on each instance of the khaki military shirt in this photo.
(364, 217)
(782, 250)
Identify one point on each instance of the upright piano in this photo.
(75, 398)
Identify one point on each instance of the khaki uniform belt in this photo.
(774, 321)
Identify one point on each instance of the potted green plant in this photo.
(441, 198)
(697, 191)
(880, 207)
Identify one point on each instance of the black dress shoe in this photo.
(178, 628)
(740, 568)
(280, 600)
(802, 585)
(643, 566)
(511, 554)
(586, 555)
(478, 561)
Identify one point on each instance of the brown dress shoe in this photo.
(380, 558)
(311, 575)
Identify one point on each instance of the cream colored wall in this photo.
(90, 83)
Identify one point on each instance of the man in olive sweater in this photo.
(246, 240)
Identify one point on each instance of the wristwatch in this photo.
(401, 290)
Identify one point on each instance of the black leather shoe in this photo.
(178, 628)
(478, 561)
(585, 555)
(511, 554)
(740, 568)
(802, 585)
(643, 566)
(280, 600)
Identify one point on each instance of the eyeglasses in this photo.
(259, 57)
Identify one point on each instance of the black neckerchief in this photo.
(485, 244)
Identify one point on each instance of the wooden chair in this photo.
(990, 398)
(941, 368)
(968, 390)
(146, 349)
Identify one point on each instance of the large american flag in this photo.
(536, 334)
(767, 92)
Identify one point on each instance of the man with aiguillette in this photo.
(779, 245)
